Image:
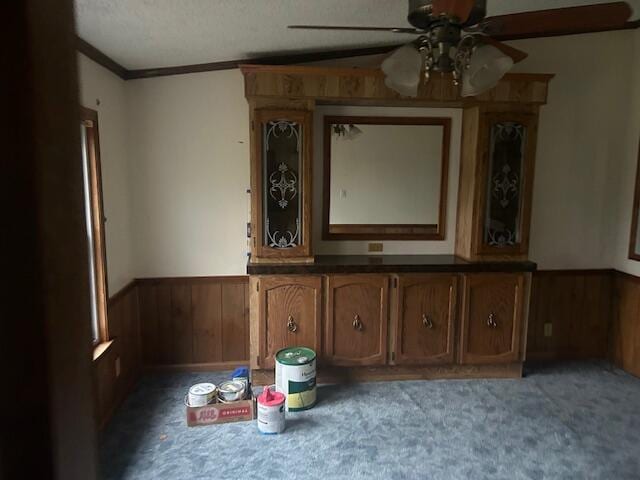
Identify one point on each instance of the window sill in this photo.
(101, 348)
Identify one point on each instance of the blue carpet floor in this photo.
(567, 421)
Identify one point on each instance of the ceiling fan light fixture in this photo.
(402, 70)
(353, 132)
(486, 67)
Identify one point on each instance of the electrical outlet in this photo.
(376, 247)
(548, 329)
(117, 367)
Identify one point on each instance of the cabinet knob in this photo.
(426, 321)
(491, 320)
(291, 325)
(357, 323)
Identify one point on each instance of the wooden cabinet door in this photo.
(508, 150)
(281, 184)
(357, 317)
(290, 313)
(424, 320)
(491, 318)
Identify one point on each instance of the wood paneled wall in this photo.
(578, 306)
(194, 321)
(625, 331)
(111, 386)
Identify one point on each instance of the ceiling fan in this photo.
(456, 37)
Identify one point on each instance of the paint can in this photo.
(271, 411)
(231, 391)
(201, 394)
(296, 377)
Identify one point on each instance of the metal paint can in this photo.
(296, 377)
(201, 394)
(231, 391)
(271, 411)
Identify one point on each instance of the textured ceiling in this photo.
(159, 33)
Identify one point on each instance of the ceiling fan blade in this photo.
(558, 21)
(456, 8)
(365, 29)
(514, 53)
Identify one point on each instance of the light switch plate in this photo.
(548, 329)
(117, 367)
(376, 247)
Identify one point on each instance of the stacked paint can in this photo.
(270, 412)
(296, 377)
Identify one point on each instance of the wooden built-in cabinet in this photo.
(408, 320)
(492, 309)
(356, 320)
(290, 314)
(466, 315)
(424, 322)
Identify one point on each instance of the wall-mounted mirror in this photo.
(634, 243)
(385, 178)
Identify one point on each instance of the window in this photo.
(94, 222)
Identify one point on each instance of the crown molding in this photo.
(101, 58)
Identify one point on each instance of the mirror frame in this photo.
(385, 231)
(635, 211)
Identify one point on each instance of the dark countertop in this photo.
(387, 264)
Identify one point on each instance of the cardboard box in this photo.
(241, 410)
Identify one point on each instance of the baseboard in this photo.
(395, 372)
(196, 367)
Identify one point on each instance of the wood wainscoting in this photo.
(194, 322)
(570, 314)
(119, 365)
(202, 323)
(625, 331)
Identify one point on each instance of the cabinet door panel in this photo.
(357, 316)
(290, 315)
(492, 312)
(425, 319)
(281, 184)
(509, 150)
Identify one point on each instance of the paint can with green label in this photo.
(296, 377)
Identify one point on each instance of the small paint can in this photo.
(201, 394)
(296, 377)
(231, 391)
(271, 411)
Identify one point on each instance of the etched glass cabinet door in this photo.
(281, 185)
(508, 160)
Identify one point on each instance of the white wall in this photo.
(188, 150)
(581, 146)
(623, 181)
(98, 83)
(390, 247)
(189, 147)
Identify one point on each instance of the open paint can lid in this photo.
(295, 356)
(202, 389)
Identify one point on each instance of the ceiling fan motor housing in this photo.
(420, 14)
